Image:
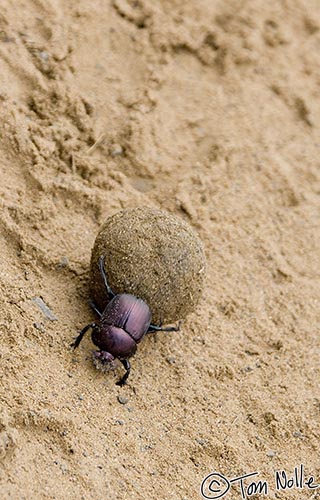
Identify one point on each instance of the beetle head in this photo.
(104, 361)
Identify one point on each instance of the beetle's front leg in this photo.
(127, 366)
(78, 339)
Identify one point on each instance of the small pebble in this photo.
(171, 360)
(202, 442)
(196, 463)
(298, 434)
(248, 369)
(44, 55)
(120, 422)
(271, 453)
(40, 327)
(64, 468)
(116, 150)
(123, 400)
(63, 262)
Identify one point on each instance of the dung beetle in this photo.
(122, 325)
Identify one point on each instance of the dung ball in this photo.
(153, 255)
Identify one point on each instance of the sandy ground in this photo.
(210, 110)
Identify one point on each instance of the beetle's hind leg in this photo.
(78, 339)
(110, 293)
(159, 328)
(95, 308)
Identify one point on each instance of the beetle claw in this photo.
(121, 383)
(123, 379)
(158, 328)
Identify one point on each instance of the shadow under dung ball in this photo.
(153, 255)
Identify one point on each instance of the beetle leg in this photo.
(95, 308)
(104, 277)
(156, 328)
(77, 341)
(127, 366)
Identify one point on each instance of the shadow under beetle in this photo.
(122, 325)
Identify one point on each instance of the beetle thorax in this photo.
(123, 324)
